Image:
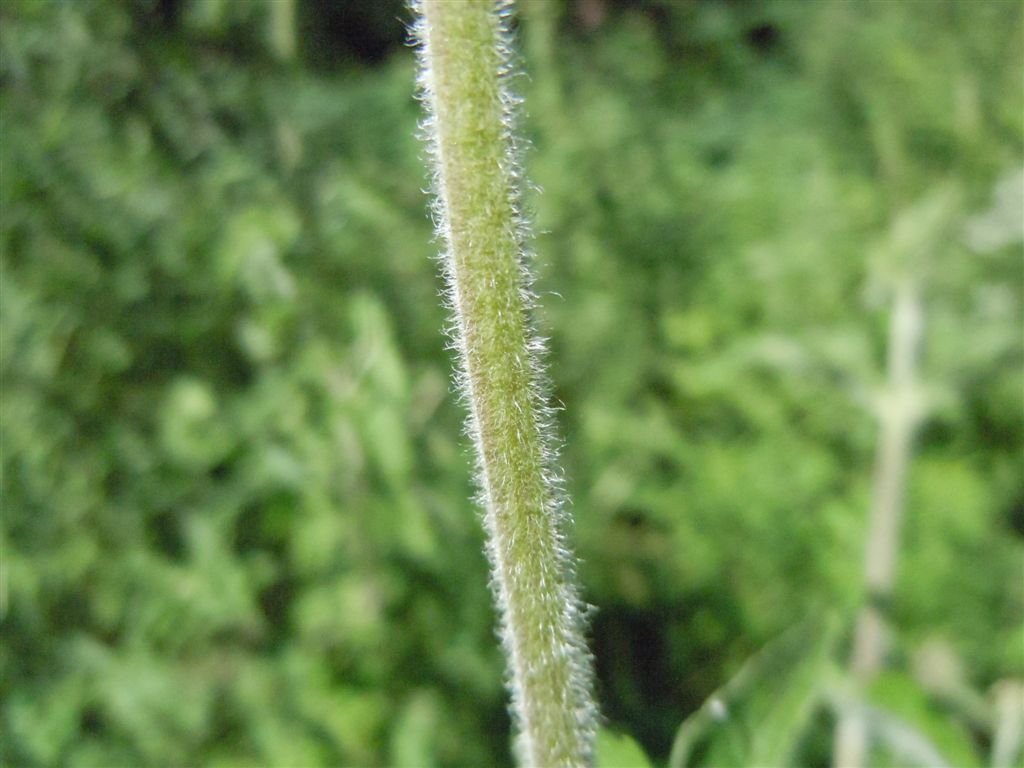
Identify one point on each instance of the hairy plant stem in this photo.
(464, 59)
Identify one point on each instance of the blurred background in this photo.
(779, 257)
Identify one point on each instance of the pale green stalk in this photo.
(900, 414)
(464, 59)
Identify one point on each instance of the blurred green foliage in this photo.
(236, 517)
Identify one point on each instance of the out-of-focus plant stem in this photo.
(900, 413)
(281, 16)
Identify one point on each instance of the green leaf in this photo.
(617, 750)
(901, 706)
(759, 716)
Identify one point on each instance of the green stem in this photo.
(282, 28)
(899, 416)
(464, 63)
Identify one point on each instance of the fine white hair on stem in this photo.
(466, 63)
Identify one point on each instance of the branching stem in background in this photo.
(465, 63)
(900, 413)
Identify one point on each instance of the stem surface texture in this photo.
(465, 59)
